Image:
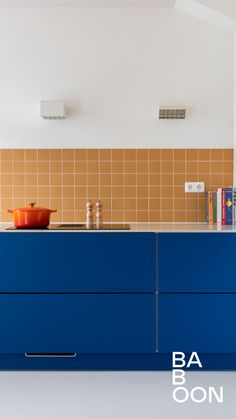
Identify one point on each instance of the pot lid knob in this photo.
(32, 204)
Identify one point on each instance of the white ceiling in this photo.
(161, 3)
(226, 7)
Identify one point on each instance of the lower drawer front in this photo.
(203, 323)
(81, 323)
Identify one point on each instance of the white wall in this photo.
(111, 66)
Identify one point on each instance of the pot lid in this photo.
(32, 207)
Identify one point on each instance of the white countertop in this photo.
(140, 227)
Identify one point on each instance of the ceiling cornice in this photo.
(207, 15)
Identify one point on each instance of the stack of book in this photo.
(221, 206)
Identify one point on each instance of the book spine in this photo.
(214, 207)
(223, 206)
(219, 206)
(229, 206)
(210, 207)
(207, 208)
(234, 214)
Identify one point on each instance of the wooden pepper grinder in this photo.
(99, 214)
(89, 214)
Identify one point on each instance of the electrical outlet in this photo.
(194, 187)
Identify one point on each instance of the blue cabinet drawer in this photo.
(81, 323)
(196, 262)
(203, 323)
(78, 262)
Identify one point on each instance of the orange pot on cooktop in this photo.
(31, 216)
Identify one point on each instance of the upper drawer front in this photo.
(78, 262)
(82, 323)
(196, 262)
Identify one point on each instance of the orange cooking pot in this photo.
(31, 216)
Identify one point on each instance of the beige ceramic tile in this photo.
(144, 192)
(68, 167)
(6, 154)
(44, 155)
(105, 191)
(180, 154)
(92, 154)
(142, 216)
(167, 154)
(55, 167)
(68, 154)
(143, 178)
(154, 154)
(155, 167)
(19, 167)
(31, 155)
(18, 155)
(143, 166)
(130, 154)
(217, 154)
(80, 154)
(130, 167)
(228, 155)
(55, 155)
(43, 167)
(142, 154)
(204, 155)
(179, 217)
(154, 217)
(105, 155)
(117, 155)
(192, 155)
(105, 167)
(28, 167)
(130, 192)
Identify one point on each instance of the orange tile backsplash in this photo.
(135, 185)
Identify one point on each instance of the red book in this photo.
(224, 206)
(210, 207)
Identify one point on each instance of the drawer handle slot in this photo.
(50, 355)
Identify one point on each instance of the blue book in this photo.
(229, 206)
(234, 215)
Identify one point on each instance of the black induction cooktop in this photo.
(81, 226)
(104, 226)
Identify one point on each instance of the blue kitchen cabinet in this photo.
(78, 262)
(118, 300)
(197, 322)
(77, 323)
(196, 262)
(84, 293)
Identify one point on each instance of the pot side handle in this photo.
(10, 211)
(53, 210)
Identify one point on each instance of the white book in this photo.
(219, 206)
